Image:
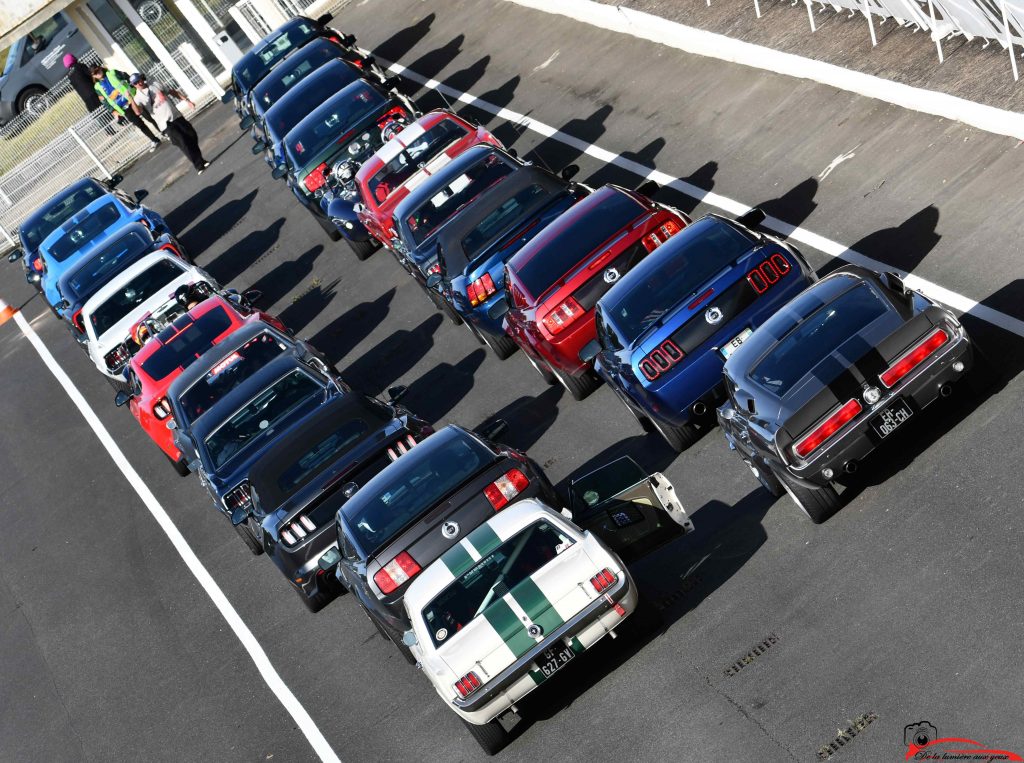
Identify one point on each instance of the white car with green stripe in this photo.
(508, 606)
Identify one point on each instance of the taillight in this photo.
(400, 448)
(37, 264)
(396, 113)
(297, 529)
(117, 358)
(768, 273)
(603, 580)
(562, 316)
(661, 359)
(505, 488)
(77, 321)
(172, 249)
(480, 289)
(315, 179)
(468, 684)
(239, 497)
(396, 572)
(827, 428)
(161, 409)
(434, 269)
(660, 235)
(914, 357)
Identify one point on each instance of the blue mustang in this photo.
(665, 329)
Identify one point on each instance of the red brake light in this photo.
(505, 488)
(562, 316)
(172, 249)
(914, 357)
(238, 497)
(434, 269)
(315, 179)
(661, 359)
(399, 570)
(76, 319)
(468, 684)
(37, 264)
(117, 358)
(480, 289)
(827, 428)
(603, 580)
(660, 235)
(768, 273)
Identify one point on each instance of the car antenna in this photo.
(541, 162)
(444, 98)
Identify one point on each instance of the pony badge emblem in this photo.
(713, 315)
(611, 275)
(450, 529)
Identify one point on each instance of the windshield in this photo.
(332, 122)
(228, 373)
(259, 416)
(680, 269)
(259, 61)
(400, 164)
(292, 71)
(134, 293)
(469, 595)
(454, 195)
(41, 225)
(83, 232)
(307, 95)
(414, 490)
(183, 345)
(105, 263)
(817, 337)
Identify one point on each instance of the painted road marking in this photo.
(270, 675)
(958, 302)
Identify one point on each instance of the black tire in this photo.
(766, 477)
(318, 602)
(328, 227)
(678, 438)
(491, 736)
(542, 369)
(249, 539)
(179, 466)
(362, 249)
(405, 651)
(440, 303)
(817, 503)
(580, 387)
(472, 330)
(27, 96)
(503, 347)
(53, 310)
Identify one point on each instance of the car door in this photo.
(631, 511)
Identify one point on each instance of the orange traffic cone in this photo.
(6, 312)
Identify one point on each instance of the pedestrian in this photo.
(81, 82)
(157, 101)
(120, 96)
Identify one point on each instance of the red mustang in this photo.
(163, 357)
(554, 281)
(420, 150)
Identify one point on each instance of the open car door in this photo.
(631, 511)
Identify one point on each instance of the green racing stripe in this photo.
(501, 617)
(536, 605)
(457, 560)
(484, 539)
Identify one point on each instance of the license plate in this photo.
(892, 418)
(730, 347)
(551, 660)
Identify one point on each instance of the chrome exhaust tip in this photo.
(699, 409)
(946, 390)
(851, 467)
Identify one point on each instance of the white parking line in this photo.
(241, 630)
(958, 302)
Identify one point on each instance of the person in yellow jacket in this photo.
(119, 95)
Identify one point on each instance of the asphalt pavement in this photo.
(774, 633)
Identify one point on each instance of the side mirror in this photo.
(590, 351)
(239, 516)
(493, 430)
(359, 207)
(570, 171)
(409, 638)
(329, 559)
(14, 256)
(397, 393)
(498, 309)
(324, 19)
(433, 280)
(648, 188)
(752, 218)
(259, 147)
(121, 398)
(115, 180)
(246, 122)
(392, 83)
(348, 40)
(252, 295)
(64, 305)
(228, 97)
(140, 194)
(513, 153)
(171, 424)
(279, 172)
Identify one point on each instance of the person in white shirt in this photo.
(158, 103)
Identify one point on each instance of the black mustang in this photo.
(838, 369)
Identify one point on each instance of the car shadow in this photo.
(234, 260)
(183, 215)
(553, 153)
(282, 278)
(703, 181)
(339, 337)
(211, 228)
(903, 247)
(610, 173)
(444, 386)
(499, 97)
(404, 40)
(308, 305)
(432, 63)
(795, 205)
(528, 417)
(391, 358)
(649, 450)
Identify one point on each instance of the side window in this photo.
(518, 299)
(40, 37)
(608, 338)
(346, 547)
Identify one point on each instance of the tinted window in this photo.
(258, 417)
(320, 455)
(105, 262)
(816, 337)
(84, 232)
(678, 271)
(257, 62)
(401, 166)
(292, 71)
(491, 578)
(227, 374)
(510, 213)
(183, 345)
(331, 122)
(41, 225)
(453, 196)
(567, 242)
(133, 294)
(413, 491)
(306, 96)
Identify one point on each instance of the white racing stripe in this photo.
(958, 302)
(259, 657)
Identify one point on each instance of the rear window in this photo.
(401, 165)
(258, 417)
(134, 293)
(678, 271)
(231, 371)
(502, 220)
(84, 232)
(456, 194)
(184, 346)
(420, 481)
(332, 122)
(469, 595)
(292, 71)
(256, 63)
(307, 95)
(566, 243)
(105, 262)
(816, 337)
(39, 226)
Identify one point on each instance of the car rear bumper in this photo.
(580, 632)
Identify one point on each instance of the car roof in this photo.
(322, 108)
(93, 247)
(294, 96)
(454, 168)
(80, 215)
(216, 354)
(60, 196)
(130, 272)
(207, 305)
(384, 154)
